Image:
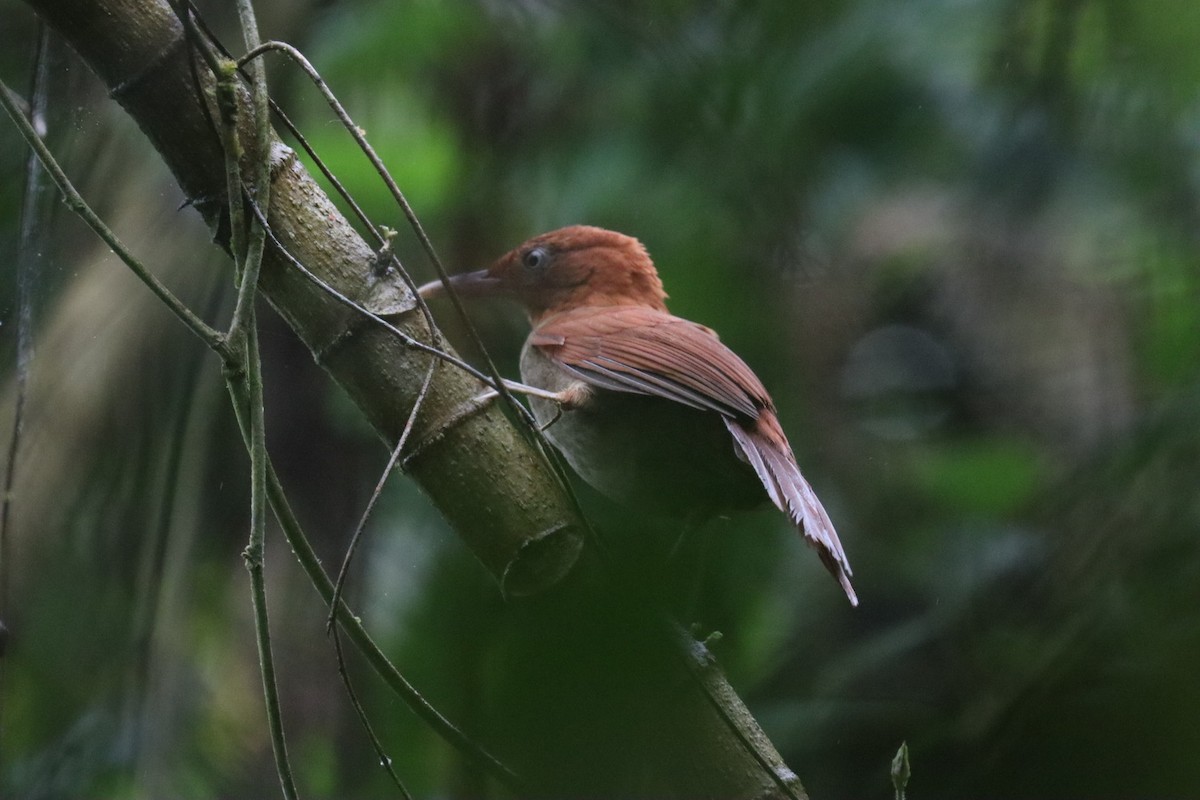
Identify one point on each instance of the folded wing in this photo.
(644, 351)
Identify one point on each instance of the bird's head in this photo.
(568, 268)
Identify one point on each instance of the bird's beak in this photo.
(468, 284)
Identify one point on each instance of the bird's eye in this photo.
(537, 258)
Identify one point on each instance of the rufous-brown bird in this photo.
(650, 409)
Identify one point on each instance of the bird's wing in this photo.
(638, 349)
(641, 350)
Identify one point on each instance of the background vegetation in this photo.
(957, 240)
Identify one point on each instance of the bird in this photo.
(651, 409)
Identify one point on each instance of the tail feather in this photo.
(776, 467)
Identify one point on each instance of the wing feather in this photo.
(641, 350)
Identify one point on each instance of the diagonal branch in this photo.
(521, 525)
(239, 386)
(679, 732)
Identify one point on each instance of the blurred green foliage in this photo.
(957, 240)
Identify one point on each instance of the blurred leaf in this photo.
(989, 477)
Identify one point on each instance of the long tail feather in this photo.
(790, 492)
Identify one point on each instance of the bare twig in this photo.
(250, 380)
(406, 339)
(353, 626)
(497, 382)
(494, 379)
(385, 760)
(212, 338)
(216, 342)
(391, 465)
(376, 162)
(260, 186)
(243, 336)
(228, 109)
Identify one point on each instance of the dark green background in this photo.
(957, 239)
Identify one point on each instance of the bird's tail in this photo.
(767, 451)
